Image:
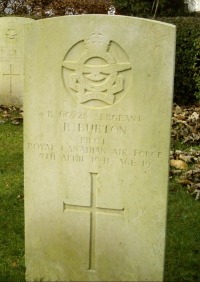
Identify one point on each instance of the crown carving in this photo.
(97, 42)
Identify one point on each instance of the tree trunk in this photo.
(156, 7)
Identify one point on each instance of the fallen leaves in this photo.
(186, 124)
(186, 165)
(187, 170)
(11, 115)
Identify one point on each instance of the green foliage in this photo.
(133, 8)
(46, 8)
(171, 8)
(186, 78)
(142, 8)
(197, 67)
(149, 8)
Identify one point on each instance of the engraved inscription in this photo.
(89, 140)
(94, 151)
(92, 210)
(95, 128)
(10, 53)
(48, 156)
(40, 146)
(121, 118)
(11, 74)
(11, 34)
(98, 74)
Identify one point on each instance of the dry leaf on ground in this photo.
(179, 164)
(191, 176)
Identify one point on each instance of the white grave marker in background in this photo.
(12, 60)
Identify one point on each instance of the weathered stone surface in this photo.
(11, 60)
(97, 130)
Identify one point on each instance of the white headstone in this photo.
(97, 131)
(12, 60)
(193, 5)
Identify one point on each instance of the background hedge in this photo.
(187, 70)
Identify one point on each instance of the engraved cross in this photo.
(10, 74)
(92, 209)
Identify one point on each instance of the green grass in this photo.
(183, 147)
(182, 261)
(11, 204)
(183, 226)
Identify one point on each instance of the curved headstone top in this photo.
(96, 143)
(12, 60)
